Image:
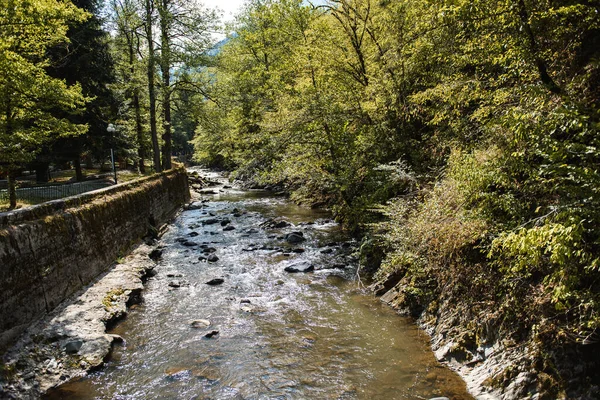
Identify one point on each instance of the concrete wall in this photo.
(49, 251)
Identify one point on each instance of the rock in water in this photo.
(300, 267)
(174, 284)
(295, 237)
(228, 228)
(200, 323)
(155, 254)
(215, 281)
(212, 258)
(211, 334)
(225, 222)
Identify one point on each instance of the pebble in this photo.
(200, 323)
(212, 258)
(174, 284)
(294, 237)
(211, 334)
(228, 228)
(155, 254)
(73, 346)
(300, 267)
(215, 281)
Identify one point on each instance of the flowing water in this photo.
(281, 335)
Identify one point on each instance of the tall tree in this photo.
(185, 37)
(87, 60)
(28, 94)
(128, 53)
(150, 72)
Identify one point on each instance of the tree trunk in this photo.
(151, 89)
(533, 48)
(140, 133)
(165, 65)
(12, 189)
(42, 173)
(78, 172)
(138, 115)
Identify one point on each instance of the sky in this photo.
(229, 7)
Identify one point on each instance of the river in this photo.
(263, 333)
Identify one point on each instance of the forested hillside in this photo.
(472, 127)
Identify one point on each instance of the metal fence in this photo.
(39, 194)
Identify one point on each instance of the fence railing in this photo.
(38, 194)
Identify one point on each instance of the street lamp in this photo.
(112, 129)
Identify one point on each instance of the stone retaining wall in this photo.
(49, 251)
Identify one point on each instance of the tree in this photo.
(28, 94)
(184, 33)
(86, 60)
(150, 72)
(128, 53)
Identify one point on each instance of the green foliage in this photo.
(28, 95)
(479, 119)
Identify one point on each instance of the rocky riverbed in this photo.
(249, 297)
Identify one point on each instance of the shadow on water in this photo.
(310, 335)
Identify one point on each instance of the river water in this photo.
(281, 335)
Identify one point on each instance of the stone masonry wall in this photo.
(50, 251)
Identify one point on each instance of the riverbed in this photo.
(223, 319)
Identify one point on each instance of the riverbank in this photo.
(72, 339)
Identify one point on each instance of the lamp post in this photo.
(112, 129)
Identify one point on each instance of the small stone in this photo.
(200, 323)
(155, 254)
(298, 251)
(174, 284)
(193, 234)
(237, 214)
(73, 346)
(187, 243)
(210, 221)
(244, 301)
(215, 281)
(211, 334)
(228, 228)
(225, 222)
(209, 250)
(300, 267)
(212, 258)
(295, 237)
